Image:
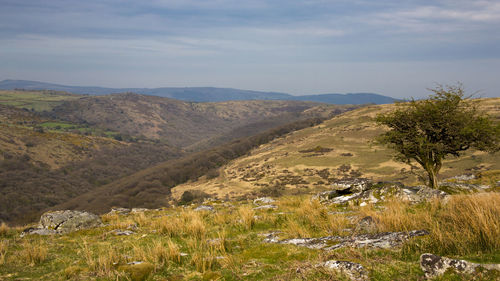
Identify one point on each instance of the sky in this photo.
(399, 48)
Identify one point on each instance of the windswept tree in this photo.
(445, 124)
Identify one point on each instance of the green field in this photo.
(35, 100)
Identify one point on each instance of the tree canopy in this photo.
(447, 123)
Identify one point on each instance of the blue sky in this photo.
(393, 47)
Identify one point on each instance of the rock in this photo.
(137, 270)
(385, 240)
(271, 237)
(434, 266)
(263, 200)
(119, 232)
(266, 207)
(68, 221)
(426, 193)
(352, 185)
(366, 225)
(452, 187)
(374, 193)
(354, 271)
(39, 231)
(204, 208)
(119, 211)
(465, 177)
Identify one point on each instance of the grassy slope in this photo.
(351, 135)
(227, 244)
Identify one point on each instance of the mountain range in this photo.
(202, 94)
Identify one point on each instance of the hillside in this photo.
(181, 123)
(44, 162)
(314, 157)
(151, 187)
(202, 94)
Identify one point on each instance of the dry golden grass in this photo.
(102, 260)
(33, 252)
(400, 216)
(468, 223)
(464, 224)
(141, 219)
(294, 229)
(194, 225)
(246, 217)
(4, 229)
(169, 226)
(4, 247)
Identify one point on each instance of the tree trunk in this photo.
(433, 180)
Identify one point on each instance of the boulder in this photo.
(434, 265)
(351, 185)
(354, 271)
(263, 201)
(68, 221)
(38, 231)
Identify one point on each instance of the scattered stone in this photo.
(354, 271)
(204, 208)
(263, 200)
(119, 211)
(119, 232)
(68, 221)
(434, 266)
(385, 240)
(465, 177)
(139, 210)
(266, 207)
(183, 254)
(271, 237)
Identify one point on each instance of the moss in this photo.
(137, 272)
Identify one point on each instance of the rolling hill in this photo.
(312, 158)
(201, 94)
(181, 123)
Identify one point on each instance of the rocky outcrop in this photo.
(61, 222)
(434, 265)
(363, 192)
(354, 271)
(385, 240)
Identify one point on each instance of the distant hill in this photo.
(201, 94)
(181, 123)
